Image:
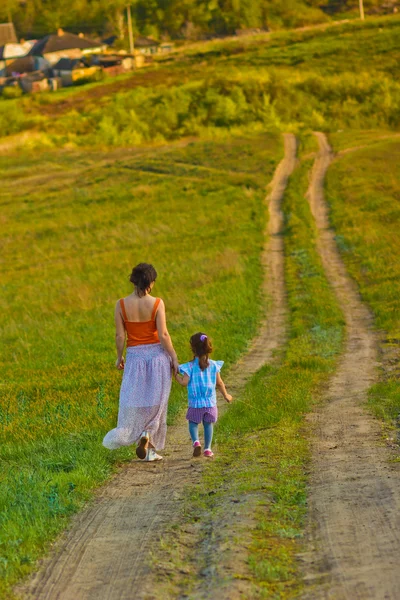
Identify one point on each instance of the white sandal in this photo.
(151, 455)
(141, 450)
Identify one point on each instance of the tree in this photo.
(8, 9)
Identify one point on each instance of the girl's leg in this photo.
(208, 434)
(194, 431)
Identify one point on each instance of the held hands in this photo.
(178, 377)
(175, 366)
(120, 363)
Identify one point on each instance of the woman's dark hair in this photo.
(202, 348)
(142, 277)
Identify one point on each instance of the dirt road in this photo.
(106, 555)
(354, 525)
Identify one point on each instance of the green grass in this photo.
(73, 229)
(341, 77)
(261, 442)
(350, 140)
(363, 191)
(74, 222)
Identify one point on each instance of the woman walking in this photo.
(146, 384)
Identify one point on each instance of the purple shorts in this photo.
(198, 415)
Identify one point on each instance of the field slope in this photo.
(329, 79)
(171, 165)
(74, 228)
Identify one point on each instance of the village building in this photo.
(7, 34)
(114, 64)
(166, 47)
(64, 59)
(62, 44)
(32, 83)
(14, 58)
(147, 45)
(71, 70)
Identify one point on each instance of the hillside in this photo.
(190, 19)
(172, 165)
(332, 78)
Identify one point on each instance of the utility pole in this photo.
(361, 10)
(131, 46)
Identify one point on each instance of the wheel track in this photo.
(355, 493)
(105, 554)
(221, 559)
(272, 333)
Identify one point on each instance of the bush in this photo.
(97, 76)
(9, 92)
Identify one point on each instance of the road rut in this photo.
(354, 526)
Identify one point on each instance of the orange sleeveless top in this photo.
(141, 332)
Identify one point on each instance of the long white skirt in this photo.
(143, 399)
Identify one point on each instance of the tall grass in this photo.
(72, 231)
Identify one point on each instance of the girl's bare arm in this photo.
(165, 338)
(222, 388)
(182, 379)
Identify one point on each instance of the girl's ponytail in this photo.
(202, 348)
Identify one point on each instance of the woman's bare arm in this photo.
(119, 336)
(165, 338)
(222, 388)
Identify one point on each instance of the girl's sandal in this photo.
(196, 449)
(208, 453)
(141, 450)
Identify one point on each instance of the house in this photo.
(166, 47)
(62, 44)
(146, 45)
(112, 64)
(7, 34)
(71, 70)
(34, 82)
(2, 64)
(110, 41)
(14, 58)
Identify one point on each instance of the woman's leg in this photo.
(208, 434)
(194, 431)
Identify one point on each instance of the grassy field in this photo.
(75, 218)
(341, 77)
(74, 224)
(363, 190)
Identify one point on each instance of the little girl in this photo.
(201, 377)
